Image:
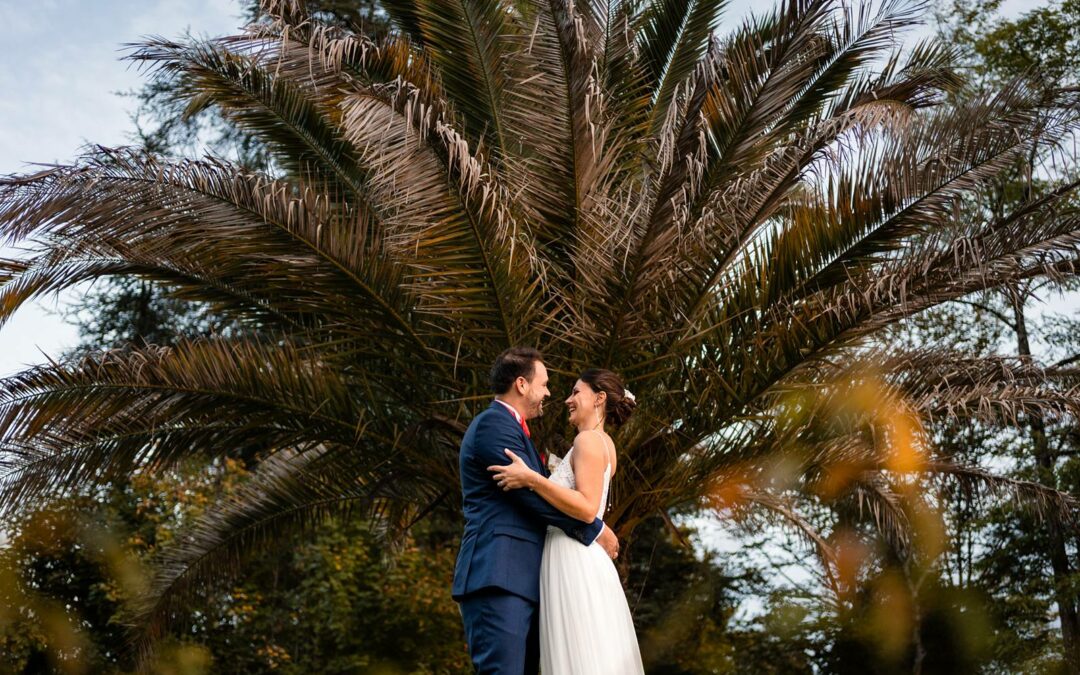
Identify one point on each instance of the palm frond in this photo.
(673, 36)
(467, 42)
(222, 229)
(113, 413)
(298, 130)
(1044, 502)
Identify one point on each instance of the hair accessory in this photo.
(629, 394)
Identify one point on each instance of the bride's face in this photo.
(582, 404)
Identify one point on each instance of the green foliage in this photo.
(68, 574)
(334, 602)
(1026, 567)
(1043, 43)
(338, 603)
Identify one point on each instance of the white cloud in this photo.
(62, 70)
(214, 17)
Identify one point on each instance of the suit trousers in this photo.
(503, 632)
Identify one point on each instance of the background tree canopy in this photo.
(775, 233)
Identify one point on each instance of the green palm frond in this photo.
(673, 37)
(467, 42)
(297, 129)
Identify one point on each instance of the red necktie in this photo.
(525, 428)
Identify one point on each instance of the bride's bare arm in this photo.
(588, 460)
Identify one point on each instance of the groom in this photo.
(497, 577)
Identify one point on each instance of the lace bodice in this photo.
(564, 475)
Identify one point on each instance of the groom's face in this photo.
(536, 391)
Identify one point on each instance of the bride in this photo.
(585, 624)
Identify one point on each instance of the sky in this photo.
(63, 81)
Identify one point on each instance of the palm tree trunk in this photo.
(1059, 560)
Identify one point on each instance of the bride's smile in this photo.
(581, 406)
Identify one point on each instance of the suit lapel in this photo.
(534, 455)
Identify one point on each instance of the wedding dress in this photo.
(585, 624)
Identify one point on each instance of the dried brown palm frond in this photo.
(729, 222)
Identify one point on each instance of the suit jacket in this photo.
(504, 531)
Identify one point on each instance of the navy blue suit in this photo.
(497, 576)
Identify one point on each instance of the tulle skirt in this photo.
(585, 623)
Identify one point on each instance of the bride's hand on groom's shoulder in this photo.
(553, 461)
(514, 475)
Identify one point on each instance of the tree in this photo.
(682, 603)
(334, 601)
(728, 223)
(1040, 46)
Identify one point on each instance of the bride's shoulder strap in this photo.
(609, 445)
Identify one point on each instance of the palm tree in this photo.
(732, 224)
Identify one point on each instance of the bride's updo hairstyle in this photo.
(620, 403)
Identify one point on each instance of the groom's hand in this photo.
(609, 542)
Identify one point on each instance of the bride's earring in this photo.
(599, 416)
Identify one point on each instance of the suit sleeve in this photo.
(493, 436)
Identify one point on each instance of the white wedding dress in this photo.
(585, 624)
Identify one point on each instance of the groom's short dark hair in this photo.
(513, 363)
